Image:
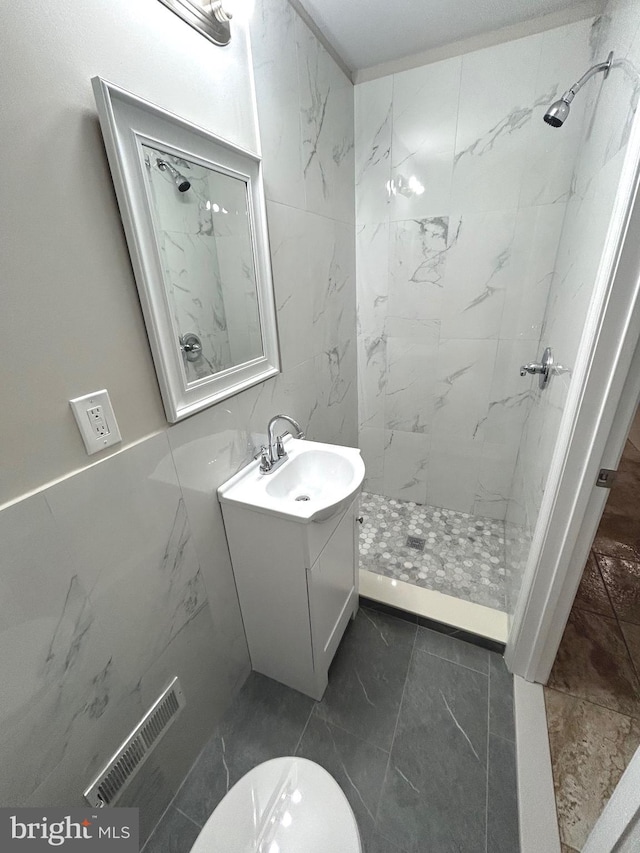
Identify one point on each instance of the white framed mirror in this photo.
(194, 215)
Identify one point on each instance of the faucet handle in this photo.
(265, 462)
(280, 446)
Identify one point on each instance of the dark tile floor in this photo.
(415, 726)
(593, 693)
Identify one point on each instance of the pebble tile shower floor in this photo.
(463, 555)
(415, 726)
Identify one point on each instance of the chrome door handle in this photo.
(542, 369)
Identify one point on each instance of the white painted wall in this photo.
(71, 322)
(117, 577)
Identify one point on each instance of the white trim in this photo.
(536, 798)
(108, 454)
(474, 618)
(560, 543)
(128, 124)
(618, 827)
(322, 38)
(578, 12)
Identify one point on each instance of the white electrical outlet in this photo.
(96, 421)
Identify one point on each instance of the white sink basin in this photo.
(316, 482)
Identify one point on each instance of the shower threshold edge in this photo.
(430, 604)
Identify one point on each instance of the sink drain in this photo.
(303, 498)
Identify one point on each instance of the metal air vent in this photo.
(123, 766)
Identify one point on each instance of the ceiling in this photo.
(365, 33)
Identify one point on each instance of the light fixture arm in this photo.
(208, 17)
(570, 94)
(216, 9)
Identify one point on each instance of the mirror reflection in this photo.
(203, 232)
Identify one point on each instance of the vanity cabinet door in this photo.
(333, 590)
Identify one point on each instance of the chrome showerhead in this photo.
(558, 112)
(179, 180)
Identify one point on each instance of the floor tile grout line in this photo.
(295, 751)
(157, 824)
(173, 799)
(352, 734)
(619, 621)
(634, 666)
(604, 583)
(486, 808)
(455, 662)
(614, 610)
(395, 729)
(628, 622)
(591, 702)
(187, 775)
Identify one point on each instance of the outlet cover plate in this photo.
(96, 440)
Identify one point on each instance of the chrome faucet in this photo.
(274, 453)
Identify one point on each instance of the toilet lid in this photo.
(286, 805)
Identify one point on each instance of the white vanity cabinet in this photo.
(298, 587)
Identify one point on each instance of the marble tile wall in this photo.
(306, 113)
(609, 111)
(119, 577)
(203, 238)
(106, 597)
(453, 280)
(237, 270)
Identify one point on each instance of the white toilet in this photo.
(287, 805)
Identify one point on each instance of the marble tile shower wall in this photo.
(117, 578)
(609, 112)
(189, 256)
(208, 264)
(306, 113)
(453, 281)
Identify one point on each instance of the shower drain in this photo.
(303, 498)
(416, 542)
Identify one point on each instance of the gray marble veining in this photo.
(509, 124)
(417, 766)
(592, 189)
(441, 416)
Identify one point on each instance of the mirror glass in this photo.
(194, 214)
(204, 239)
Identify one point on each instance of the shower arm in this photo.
(570, 94)
(163, 165)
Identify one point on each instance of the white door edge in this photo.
(571, 506)
(618, 827)
(536, 798)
